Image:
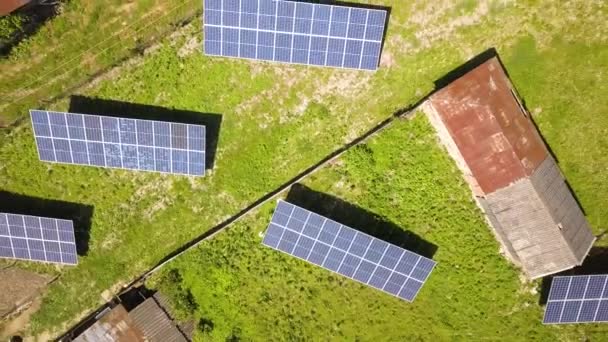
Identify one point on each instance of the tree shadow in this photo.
(80, 214)
(96, 106)
(359, 218)
(596, 262)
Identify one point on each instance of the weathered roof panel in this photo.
(186, 327)
(156, 325)
(495, 136)
(115, 326)
(8, 6)
(486, 130)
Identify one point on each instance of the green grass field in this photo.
(278, 120)
(83, 41)
(244, 289)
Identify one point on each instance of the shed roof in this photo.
(114, 326)
(494, 134)
(147, 322)
(486, 130)
(154, 322)
(8, 6)
(186, 327)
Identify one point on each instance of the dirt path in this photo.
(19, 287)
(20, 322)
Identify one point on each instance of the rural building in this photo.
(147, 322)
(514, 178)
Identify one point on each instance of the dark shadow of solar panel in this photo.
(164, 120)
(343, 250)
(80, 214)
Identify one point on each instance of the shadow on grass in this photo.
(359, 219)
(79, 213)
(467, 67)
(595, 263)
(32, 17)
(96, 106)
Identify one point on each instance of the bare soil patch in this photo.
(18, 287)
(20, 298)
(19, 323)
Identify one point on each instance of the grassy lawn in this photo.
(85, 39)
(243, 289)
(278, 120)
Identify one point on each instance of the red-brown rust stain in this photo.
(115, 326)
(496, 137)
(8, 6)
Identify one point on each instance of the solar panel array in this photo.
(37, 238)
(341, 249)
(294, 32)
(119, 142)
(577, 299)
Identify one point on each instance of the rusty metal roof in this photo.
(114, 326)
(494, 134)
(483, 125)
(8, 6)
(147, 322)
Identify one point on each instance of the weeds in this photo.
(277, 121)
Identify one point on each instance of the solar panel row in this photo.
(119, 143)
(341, 249)
(294, 32)
(577, 299)
(37, 238)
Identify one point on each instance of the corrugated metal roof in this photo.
(486, 130)
(154, 322)
(187, 327)
(115, 326)
(149, 321)
(496, 138)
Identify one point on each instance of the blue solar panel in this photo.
(577, 299)
(35, 238)
(294, 32)
(119, 142)
(341, 249)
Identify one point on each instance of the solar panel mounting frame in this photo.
(557, 282)
(70, 242)
(363, 258)
(378, 58)
(120, 144)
